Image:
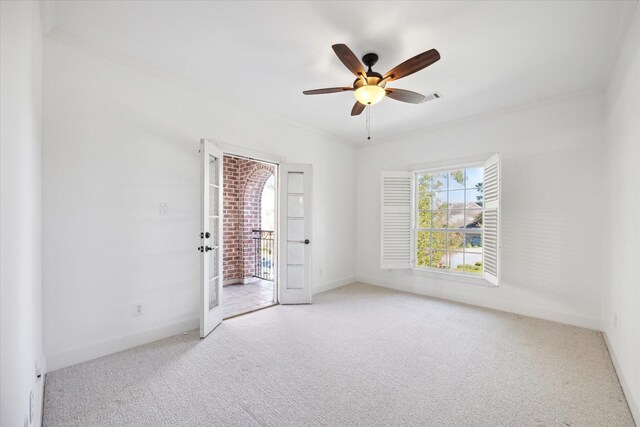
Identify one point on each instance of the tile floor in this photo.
(239, 299)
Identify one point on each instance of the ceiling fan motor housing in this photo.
(370, 60)
(373, 78)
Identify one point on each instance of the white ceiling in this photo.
(495, 55)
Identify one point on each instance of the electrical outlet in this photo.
(138, 310)
(321, 271)
(164, 208)
(615, 320)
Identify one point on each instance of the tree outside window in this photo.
(449, 220)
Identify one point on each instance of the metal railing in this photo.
(264, 253)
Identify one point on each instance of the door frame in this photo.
(258, 156)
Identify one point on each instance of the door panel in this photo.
(295, 241)
(296, 229)
(211, 249)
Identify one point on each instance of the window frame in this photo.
(420, 270)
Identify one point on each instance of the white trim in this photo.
(327, 286)
(459, 163)
(488, 300)
(113, 345)
(260, 156)
(264, 157)
(631, 401)
(454, 276)
(462, 121)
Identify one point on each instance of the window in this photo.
(443, 219)
(448, 219)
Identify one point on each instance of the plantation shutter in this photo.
(396, 224)
(491, 219)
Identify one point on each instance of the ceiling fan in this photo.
(370, 87)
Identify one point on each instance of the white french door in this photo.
(211, 235)
(295, 234)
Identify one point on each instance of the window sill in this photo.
(453, 277)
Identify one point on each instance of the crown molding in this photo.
(556, 99)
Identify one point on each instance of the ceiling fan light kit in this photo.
(370, 87)
(369, 94)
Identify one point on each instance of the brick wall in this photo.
(243, 183)
(231, 224)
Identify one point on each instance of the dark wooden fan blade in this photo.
(349, 59)
(412, 65)
(357, 109)
(327, 90)
(405, 96)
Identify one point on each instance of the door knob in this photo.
(306, 241)
(207, 249)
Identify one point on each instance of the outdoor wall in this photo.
(621, 323)
(232, 263)
(551, 154)
(20, 212)
(243, 183)
(120, 139)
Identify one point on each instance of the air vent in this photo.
(433, 96)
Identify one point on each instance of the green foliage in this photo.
(468, 268)
(458, 175)
(477, 221)
(480, 195)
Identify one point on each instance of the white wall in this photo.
(622, 239)
(20, 210)
(118, 141)
(551, 207)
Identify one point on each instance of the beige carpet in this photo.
(360, 355)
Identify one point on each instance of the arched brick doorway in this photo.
(252, 202)
(244, 182)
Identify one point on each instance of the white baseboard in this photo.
(631, 401)
(489, 302)
(38, 389)
(327, 286)
(102, 348)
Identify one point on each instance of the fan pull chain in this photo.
(368, 122)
